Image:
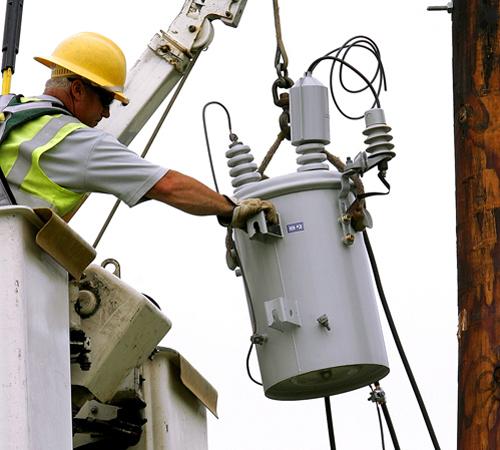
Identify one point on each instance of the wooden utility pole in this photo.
(476, 72)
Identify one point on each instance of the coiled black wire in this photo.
(339, 56)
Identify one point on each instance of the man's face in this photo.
(91, 103)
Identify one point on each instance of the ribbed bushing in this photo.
(243, 169)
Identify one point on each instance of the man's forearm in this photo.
(190, 195)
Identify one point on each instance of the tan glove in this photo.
(248, 208)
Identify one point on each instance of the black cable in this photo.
(341, 53)
(381, 426)
(232, 137)
(248, 365)
(399, 345)
(371, 46)
(374, 399)
(356, 71)
(331, 434)
(390, 426)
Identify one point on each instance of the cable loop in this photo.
(232, 136)
(339, 56)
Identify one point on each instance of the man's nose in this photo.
(105, 112)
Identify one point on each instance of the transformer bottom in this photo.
(326, 382)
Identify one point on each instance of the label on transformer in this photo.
(294, 227)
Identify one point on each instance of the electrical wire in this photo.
(381, 426)
(248, 365)
(378, 396)
(329, 421)
(340, 54)
(397, 340)
(357, 42)
(350, 66)
(232, 136)
(149, 143)
(390, 426)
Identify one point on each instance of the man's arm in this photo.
(189, 195)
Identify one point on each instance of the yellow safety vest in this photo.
(24, 145)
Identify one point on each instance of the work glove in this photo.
(246, 209)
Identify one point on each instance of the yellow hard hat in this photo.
(93, 57)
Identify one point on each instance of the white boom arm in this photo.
(164, 63)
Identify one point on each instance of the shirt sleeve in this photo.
(90, 160)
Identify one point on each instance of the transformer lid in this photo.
(290, 183)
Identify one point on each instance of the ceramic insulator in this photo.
(377, 131)
(243, 169)
(311, 157)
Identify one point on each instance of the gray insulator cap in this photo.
(377, 131)
(309, 115)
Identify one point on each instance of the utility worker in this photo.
(51, 154)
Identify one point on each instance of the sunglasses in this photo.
(105, 97)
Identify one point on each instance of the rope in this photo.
(149, 144)
(280, 51)
(271, 152)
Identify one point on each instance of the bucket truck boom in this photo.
(165, 62)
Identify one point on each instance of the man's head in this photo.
(88, 72)
(87, 102)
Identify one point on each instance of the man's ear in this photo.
(77, 89)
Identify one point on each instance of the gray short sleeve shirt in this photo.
(91, 160)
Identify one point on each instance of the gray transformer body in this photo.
(311, 298)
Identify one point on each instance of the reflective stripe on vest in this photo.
(21, 152)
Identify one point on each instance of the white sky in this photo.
(179, 259)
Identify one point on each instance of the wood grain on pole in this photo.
(476, 67)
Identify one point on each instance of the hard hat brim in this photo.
(54, 61)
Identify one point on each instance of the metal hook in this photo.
(115, 263)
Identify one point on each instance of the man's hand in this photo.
(246, 209)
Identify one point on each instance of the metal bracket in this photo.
(377, 395)
(94, 410)
(363, 162)
(258, 228)
(282, 314)
(345, 218)
(189, 29)
(448, 7)
(164, 48)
